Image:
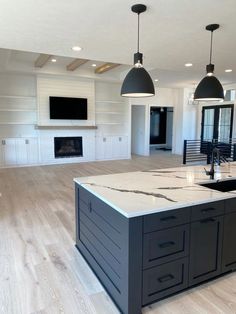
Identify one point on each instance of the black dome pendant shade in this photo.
(138, 82)
(209, 88)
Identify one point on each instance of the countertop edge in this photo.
(226, 195)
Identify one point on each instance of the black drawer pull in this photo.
(168, 218)
(206, 210)
(166, 244)
(90, 207)
(204, 221)
(166, 278)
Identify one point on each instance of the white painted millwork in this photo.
(64, 87)
(18, 151)
(111, 147)
(46, 143)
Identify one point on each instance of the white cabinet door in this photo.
(32, 151)
(21, 151)
(9, 151)
(120, 147)
(103, 147)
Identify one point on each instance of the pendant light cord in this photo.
(138, 33)
(211, 46)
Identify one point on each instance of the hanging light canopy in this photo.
(210, 87)
(138, 82)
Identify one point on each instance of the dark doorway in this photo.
(158, 125)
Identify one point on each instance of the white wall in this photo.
(138, 134)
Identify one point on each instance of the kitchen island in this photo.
(150, 234)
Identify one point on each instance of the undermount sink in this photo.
(223, 185)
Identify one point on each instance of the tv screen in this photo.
(67, 108)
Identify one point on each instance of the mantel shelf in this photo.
(68, 127)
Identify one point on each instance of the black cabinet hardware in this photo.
(168, 218)
(206, 210)
(207, 220)
(166, 244)
(166, 278)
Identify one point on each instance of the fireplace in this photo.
(66, 147)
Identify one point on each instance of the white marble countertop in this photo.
(146, 192)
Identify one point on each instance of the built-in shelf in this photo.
(15, 96)
(109, 112)
(109, 102)
(67, 127)
(17, 110)
(109, 123)
(17, 123)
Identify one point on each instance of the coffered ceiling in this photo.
(172, 34)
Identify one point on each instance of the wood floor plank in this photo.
(41, 271)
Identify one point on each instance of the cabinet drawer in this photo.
(163, 246)
(164, 280)
(166, 219)
(230, 205)
(207, 210)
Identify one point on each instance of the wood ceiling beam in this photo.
(106, 67)
(75, 64)
(42, 60)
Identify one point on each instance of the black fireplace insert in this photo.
(66, 147)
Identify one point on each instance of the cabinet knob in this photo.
(3, 142)
(104, 139)
(26, 141)
(120, 139)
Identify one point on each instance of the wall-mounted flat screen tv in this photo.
(68, 108)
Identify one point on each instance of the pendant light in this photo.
(210, 87)
(138, 82)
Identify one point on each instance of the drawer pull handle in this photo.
(206, 210)
(166, 278)
(166, 244)
(90, 207)
(168, 218)
(204, 221)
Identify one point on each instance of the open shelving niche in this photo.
(110, 114)
(18, 110)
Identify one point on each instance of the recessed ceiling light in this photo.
(76, 48)
(188, 64)
(54, 60)
(228, 70)
(94, 65)
(156, 80)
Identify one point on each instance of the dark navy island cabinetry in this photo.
(140, 260)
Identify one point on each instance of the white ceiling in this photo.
(172, 33)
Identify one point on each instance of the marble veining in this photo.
(145, 192)
(133, 191)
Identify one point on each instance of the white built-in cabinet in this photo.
(18, 151)
(112, 133)
(111, 147)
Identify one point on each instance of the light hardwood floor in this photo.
(41, 272)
